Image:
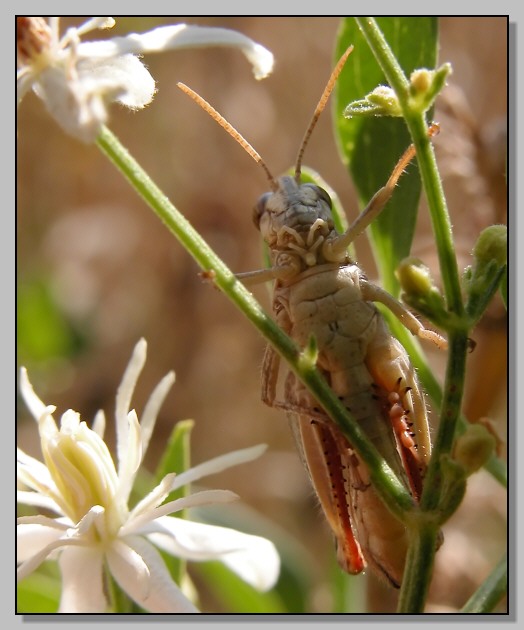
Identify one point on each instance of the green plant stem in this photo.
(489, 594)
(388, 485)
(418, 569)
(422, 545)
(495, 466)
(427, 163)
(444, 238)
(384, 55)
(449, 415)
(441, 226)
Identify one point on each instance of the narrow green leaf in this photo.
(233, 594)
(371, 146)
(176, 457)
(491, 591)
(40, 591)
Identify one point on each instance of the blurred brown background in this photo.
(112, 272)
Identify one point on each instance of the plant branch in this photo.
(388, 485)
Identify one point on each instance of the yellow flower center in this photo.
(82, 468)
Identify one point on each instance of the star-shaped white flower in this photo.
(77, 79)
(94, 527)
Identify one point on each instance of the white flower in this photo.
(77, 79)
(94, 528)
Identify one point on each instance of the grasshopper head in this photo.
(294, 217)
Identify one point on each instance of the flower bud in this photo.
(419, 289)
(492, 245)
(382, 101)
(483, 278)
(425, 85)
(414, 276)
(474, 448)
(420, 80)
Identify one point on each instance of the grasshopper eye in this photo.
(322, 194)
(260, 208)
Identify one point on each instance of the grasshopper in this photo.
(320, 291)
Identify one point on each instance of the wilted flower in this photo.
(77, 79)
(94, 529)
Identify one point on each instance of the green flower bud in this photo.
(425, 85)
(419, 290)
(420, 80)
(492, 245)
(414, 276)
(385, 98)
(474, 448)
(382, 101)
(482, 280)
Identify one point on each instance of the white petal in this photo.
(34, 404)
(123, 398)
(95, 516)
(76, 104)
(61, 524)
(122, 554)
(128, 467)
(162, 594)
(218, 464)
(32, 472)
(82, 584)
(95, 23)
(253, 558)
(150, 413)
(99, 423)
(37, 500)
(125, 78)
(205, 497)
(34, 561)
(156, 40)
(32, 538)
(182, 36)
(155, 497)
(24, 82)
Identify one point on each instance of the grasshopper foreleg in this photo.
(373, 293)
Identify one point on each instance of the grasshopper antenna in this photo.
(230, 130)
(336, 248)
(319, 109)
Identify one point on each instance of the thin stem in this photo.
(495, 465)
(423, 540)
(384, 55)
(449, 415)
(489, 594)
(418, 569)
(426, 158)
(388, 485)
(440, 220)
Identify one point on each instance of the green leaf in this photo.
(176, 458)
(233, 594)
(39, 592)
(298, 567)
(43, 330)
(491, 591)
(370, 146)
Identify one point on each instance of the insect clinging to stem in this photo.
(319, 291)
